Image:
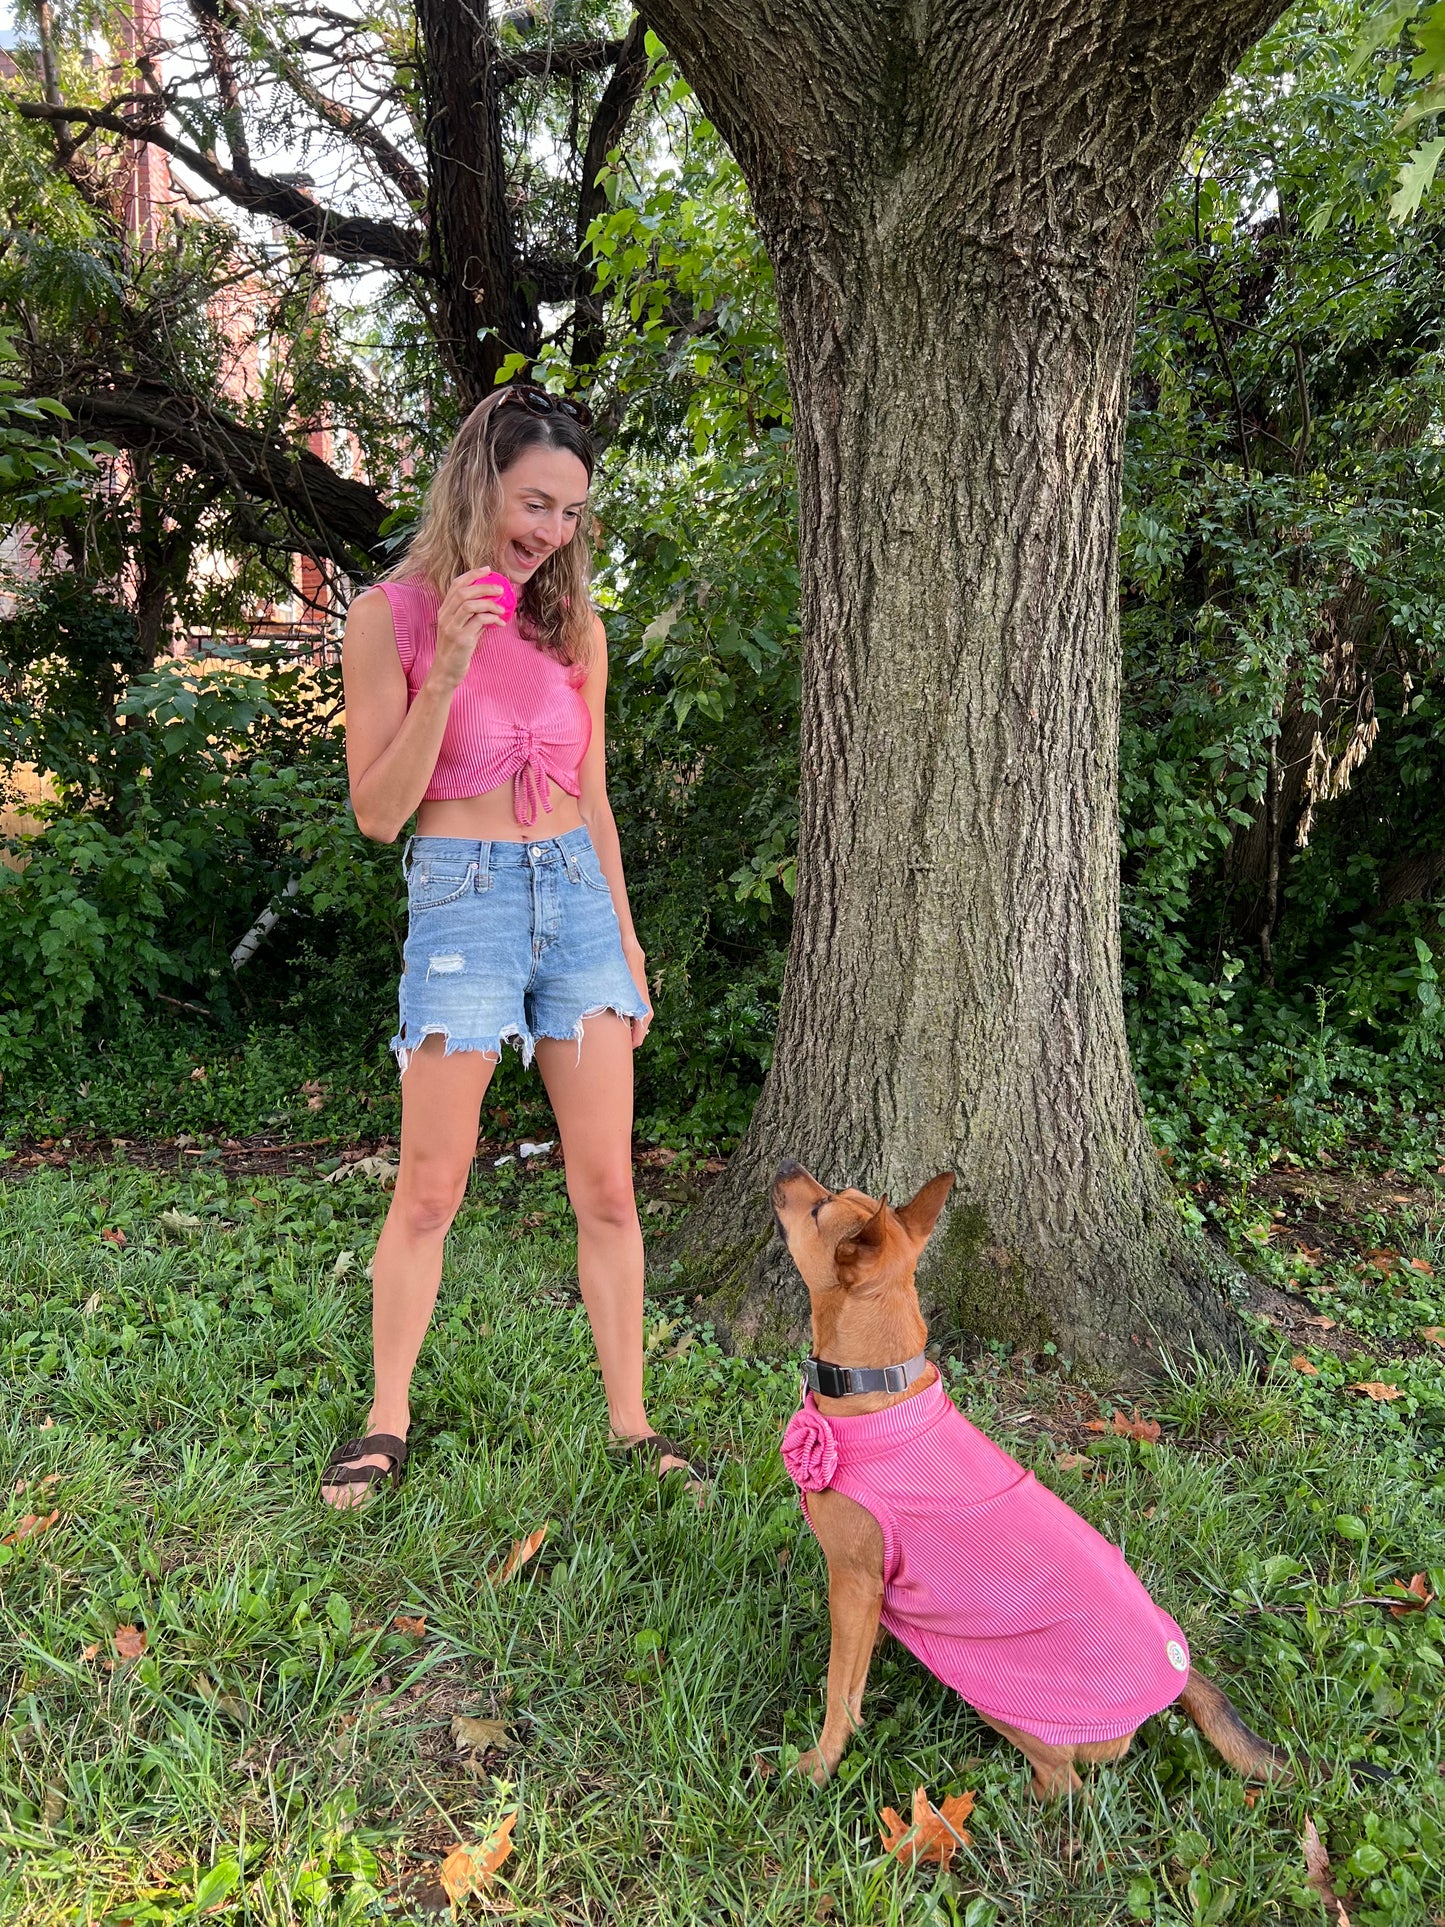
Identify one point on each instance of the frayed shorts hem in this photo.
(404, 1047)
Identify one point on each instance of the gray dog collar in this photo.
(841, 1381)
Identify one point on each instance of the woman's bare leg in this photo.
(441, 1100)
(591, 1095)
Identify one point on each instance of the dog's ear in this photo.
(920, 1214)
(866, 1243)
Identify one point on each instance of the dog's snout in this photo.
(789, 1168)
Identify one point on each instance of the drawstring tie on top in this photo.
(530, 786)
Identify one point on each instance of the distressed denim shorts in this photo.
(508, 942)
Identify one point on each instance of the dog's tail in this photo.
(1227, 1733)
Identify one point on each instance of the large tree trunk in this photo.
(957, 205)
(484, 311)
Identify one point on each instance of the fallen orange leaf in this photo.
(934, 1834)
(89, 1652)
(1302, 1364)
(1073, 1461)
(1317, 1874)
(114, 1237)
(130, 1641)
(522, 1551)
(1423, 1598)
(1433, 1334)
(1423, 1264)
(1375, 1389)
(1251, 1796)
(1095, 1425)
(32, 1523)
(1136, 1427)
(468, 1870)
(1325, 1324)
(416, 1628)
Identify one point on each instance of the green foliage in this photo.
(43, 474)
(186, 797)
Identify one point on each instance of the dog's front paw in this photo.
(813, 1766)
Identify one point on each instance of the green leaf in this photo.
(1414, 179)
(1349, 1527)
(1379, 32)
(216, 1885)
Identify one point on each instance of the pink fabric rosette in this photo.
(810, 1452)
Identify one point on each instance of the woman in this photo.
(489, 726)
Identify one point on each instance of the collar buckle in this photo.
(842, 1381)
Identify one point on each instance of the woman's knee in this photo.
(427, 1200)
(604, 1203)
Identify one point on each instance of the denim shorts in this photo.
(508, 942)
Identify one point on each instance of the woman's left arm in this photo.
(602, 827)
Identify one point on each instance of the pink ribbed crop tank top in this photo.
(517, 712)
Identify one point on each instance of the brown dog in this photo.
(857, 1257)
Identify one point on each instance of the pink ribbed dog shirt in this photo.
(1001, 1590)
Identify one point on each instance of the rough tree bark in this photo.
(957, 199)
(484, 310)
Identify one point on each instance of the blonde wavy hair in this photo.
(463, 506)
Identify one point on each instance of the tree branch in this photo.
(568, 62)
(357, 128)
(338, 520)
(346, 237)
(614, 110)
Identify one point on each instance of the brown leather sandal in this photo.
(342, 1471)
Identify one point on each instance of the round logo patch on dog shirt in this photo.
(1177, 1656)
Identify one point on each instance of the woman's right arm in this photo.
(392, 748)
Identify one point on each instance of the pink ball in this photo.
(506, 591)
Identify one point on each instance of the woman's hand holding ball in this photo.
(472, 603)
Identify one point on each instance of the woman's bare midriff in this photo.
(492, 818)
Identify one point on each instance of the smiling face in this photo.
(544, 497)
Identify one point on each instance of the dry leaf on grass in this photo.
(1074, 1462)
(522, 1551)
(1302, 1364)
(382, 1169)
(1419, 1585)
(1423, 1264)
(1325, 1324)
(27, 1527)
(227, 1703)
(1317, 1874)
(1433, 1334)
(481, 1735)
(114, 1237)
(468, 1870)
(129, 1641)
(1382, 1260)
(413, 1628)
(1373, 1388)
(935, 1833)
(1133, 1427)
(180, 1221)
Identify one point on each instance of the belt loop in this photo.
(406, 858)
(569, 857)
(484, 867)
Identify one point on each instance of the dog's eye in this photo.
(816, 1209)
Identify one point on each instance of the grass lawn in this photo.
(180, 1347)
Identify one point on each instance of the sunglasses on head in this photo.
(537, 401)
